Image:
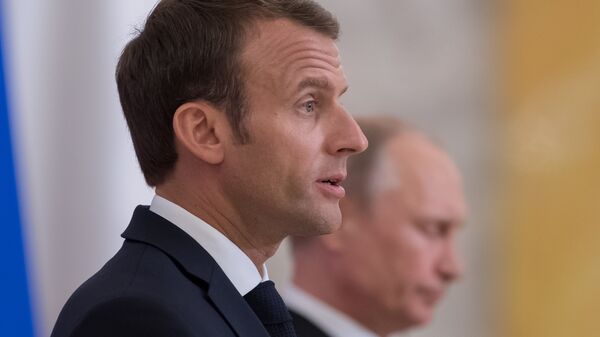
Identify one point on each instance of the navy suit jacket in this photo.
(160, 283)
(306, 328)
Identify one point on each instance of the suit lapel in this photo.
(150, 228)
(233, 306)
(305, 328)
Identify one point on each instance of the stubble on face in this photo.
(272, 178)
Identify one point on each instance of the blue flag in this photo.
(15, 315)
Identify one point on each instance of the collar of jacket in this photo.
(150, 228)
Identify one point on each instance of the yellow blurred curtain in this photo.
(552, 157)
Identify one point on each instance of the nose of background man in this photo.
(451, 266)
(346, 137)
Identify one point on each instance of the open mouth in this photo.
(331, 187)
(333, 182)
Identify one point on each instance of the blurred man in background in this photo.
(395, 255)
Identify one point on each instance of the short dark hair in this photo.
(189, 50)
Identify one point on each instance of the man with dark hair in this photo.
(235, 115)
(394, 256)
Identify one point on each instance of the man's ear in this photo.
(195, 126)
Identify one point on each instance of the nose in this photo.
(451, 266)
(346, 137)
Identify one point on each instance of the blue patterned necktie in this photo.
(271, 310)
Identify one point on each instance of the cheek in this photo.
(292, 146)
(405, 256)
(297, 161)
(417, 254)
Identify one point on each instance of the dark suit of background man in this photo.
(235, 115)
(394, 257)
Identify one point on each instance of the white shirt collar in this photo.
(236, 265)
(328, 319)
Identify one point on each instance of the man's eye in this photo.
(436, 229)
(441, 229)
(310, 106)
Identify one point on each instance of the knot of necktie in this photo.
(268, 305)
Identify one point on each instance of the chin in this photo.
(320, 223)
(421, 317)
(325, 228)
(312, 216)
(331, 221)
(331, 228)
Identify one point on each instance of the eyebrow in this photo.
(316, 82)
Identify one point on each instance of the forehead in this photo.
(427, 177)
(284, 48)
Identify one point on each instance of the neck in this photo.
(334, 293)
(212, 208)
